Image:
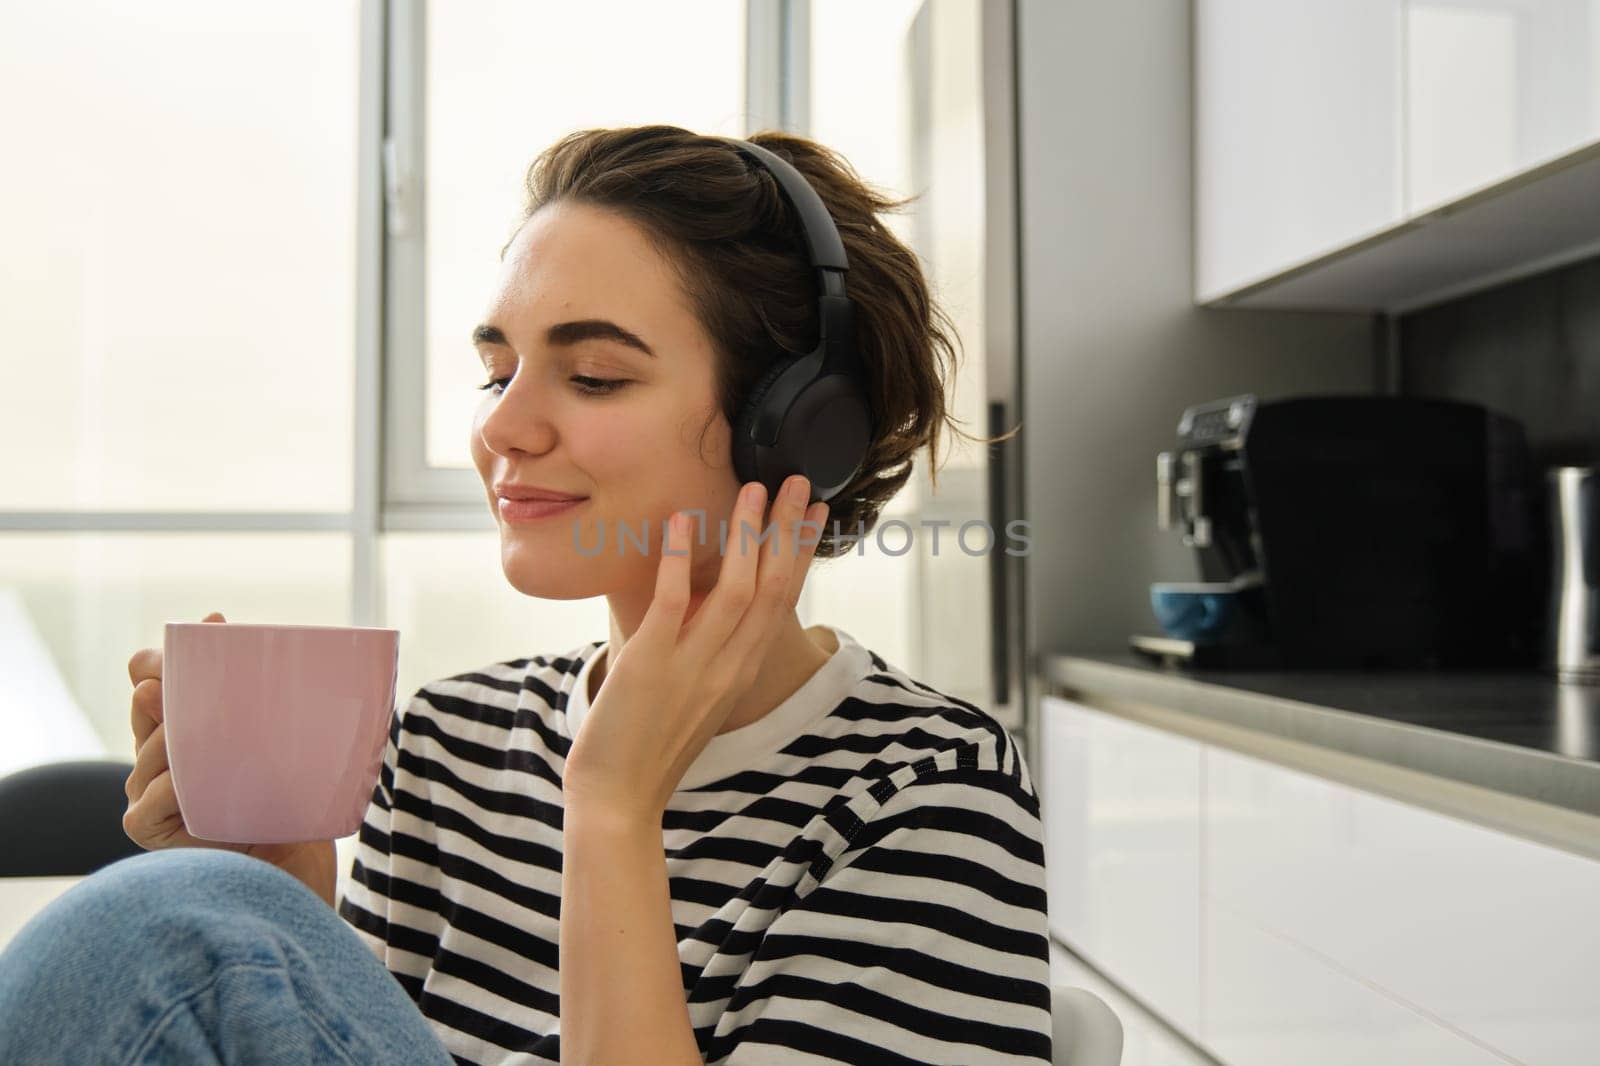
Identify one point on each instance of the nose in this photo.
(518, 419)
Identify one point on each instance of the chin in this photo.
(553, 583)
(549, 570)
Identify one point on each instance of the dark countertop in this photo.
(1523, 734)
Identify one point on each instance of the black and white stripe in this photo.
(866, 888)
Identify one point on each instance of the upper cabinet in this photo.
(1386, 154)
(1297, 132)
(1494, 87)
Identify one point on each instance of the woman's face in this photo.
(582, 294)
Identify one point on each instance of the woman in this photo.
(717, 835)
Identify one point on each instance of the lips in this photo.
(530, 510)
(519, 492)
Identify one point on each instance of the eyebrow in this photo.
(564, 333)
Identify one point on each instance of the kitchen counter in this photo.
(1518, 751)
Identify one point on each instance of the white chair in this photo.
(1085, 1031)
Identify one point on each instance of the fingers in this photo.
(145, 708)
(735, 588)
(664, 618)
(148, 764)
(776, 570)
(147, 711)
(782, 574)
(810, 535)
(761, 580)
(153, 820)
(146, 663)
(762, 574)
(145, 666)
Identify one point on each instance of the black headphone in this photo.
(809, 414)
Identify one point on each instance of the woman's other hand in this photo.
(673, 685)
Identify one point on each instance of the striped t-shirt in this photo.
(857, 876)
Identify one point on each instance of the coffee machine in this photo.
(1352, 531)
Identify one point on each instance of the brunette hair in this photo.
(738, 248)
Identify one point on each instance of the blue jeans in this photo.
(197, 955)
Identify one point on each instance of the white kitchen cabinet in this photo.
(1387, 155)
(1494, 87)
(1121, 809)
(1495, 937)
(1298, 108)
(1269, 1002)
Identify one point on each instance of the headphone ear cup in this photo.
(744, 448)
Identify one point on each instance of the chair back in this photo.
(1085, 1031)
(64, 819)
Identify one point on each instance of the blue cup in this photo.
(1194, 611)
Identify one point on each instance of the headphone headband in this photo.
(822, 237)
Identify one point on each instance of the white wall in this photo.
(1113, 348)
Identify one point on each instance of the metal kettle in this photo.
(1573, 643)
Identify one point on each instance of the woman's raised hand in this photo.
(679, 676)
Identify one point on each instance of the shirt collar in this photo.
(739, 749)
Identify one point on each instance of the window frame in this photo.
(393, 487)
(394, 490)
(419, 496)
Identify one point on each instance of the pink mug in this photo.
(276, 733)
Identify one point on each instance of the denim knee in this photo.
(179, 885)
(190, 906)
(115, 948)
(171, 876)
(201, 955)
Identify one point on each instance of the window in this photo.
(504, 80)
(89, 600)
(484, 88)
(179, 257)
(184, 322)
(449, 598)
(895, 86)
(245, 245)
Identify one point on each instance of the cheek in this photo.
(655, 442)
(677, 463)
(612, 441)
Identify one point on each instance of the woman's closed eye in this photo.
(586, 385)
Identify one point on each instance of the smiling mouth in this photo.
(530, 510)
